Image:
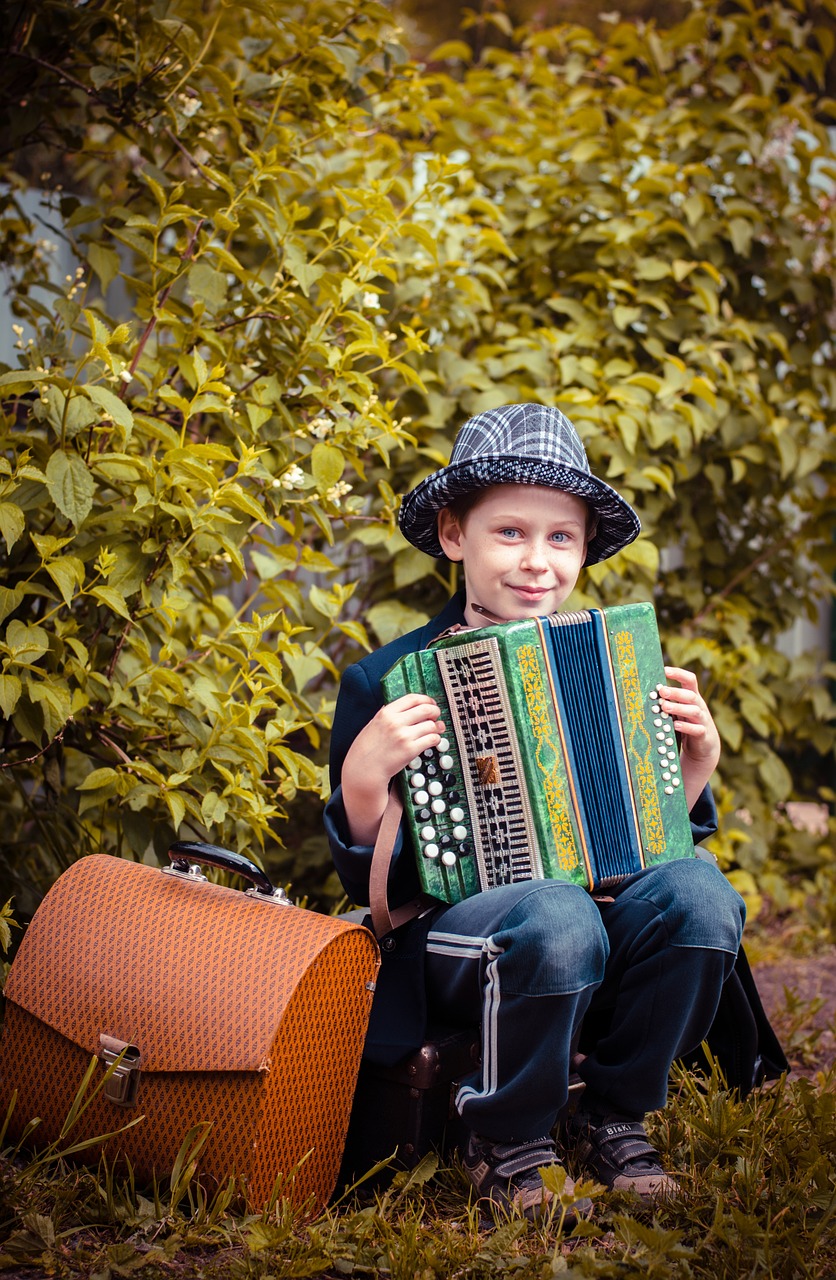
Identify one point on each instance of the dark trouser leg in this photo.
(674, 931)
(522, 961)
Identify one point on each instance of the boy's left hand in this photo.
(699, 748)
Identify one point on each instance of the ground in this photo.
(799, 994)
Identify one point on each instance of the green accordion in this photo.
(557, 760)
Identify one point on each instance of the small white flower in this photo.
(292, 478)
(126, 376)
(320, 427)
(338, 491)
(187, 105)
(371, 301)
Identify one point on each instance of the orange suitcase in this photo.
(232, 1007)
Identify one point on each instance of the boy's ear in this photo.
(449, 534)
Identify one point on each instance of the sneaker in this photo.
(619, 1155)
(506, 1174)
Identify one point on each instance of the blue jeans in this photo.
(528, 961)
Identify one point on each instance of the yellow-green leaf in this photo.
(70, 485)
(12, 523)
(67, 574)
(105, 263)
(98, 778)
(176, 807)
(55, 703)
(327, 465)
(112, 405)
(207, 285)
(27, 643)
(113, 599)
(10, 688)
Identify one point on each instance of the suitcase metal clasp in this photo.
(123, 1083)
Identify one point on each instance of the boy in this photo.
(519, 508)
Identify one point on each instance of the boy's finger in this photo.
(684, 677)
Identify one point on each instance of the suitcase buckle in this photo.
(123, 1083)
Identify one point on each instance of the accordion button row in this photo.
(426, 792)
(428, 834)
(667, 750)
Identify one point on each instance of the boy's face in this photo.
(522, 547)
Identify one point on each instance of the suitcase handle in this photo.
(184, 852)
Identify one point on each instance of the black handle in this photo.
(185, 851)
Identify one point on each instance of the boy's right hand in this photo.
(398, 732)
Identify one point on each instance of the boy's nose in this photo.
(534, 557)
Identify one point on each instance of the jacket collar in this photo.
(451, 614)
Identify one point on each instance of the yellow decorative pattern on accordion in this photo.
(634, 705)
(548, 758)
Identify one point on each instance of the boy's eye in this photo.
(559, 537)
(509, 533)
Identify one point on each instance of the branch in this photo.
(739, 577)
(12, 764)
(152, 323)
(172, 137)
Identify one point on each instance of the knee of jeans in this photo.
(553, 942)
(700, 906)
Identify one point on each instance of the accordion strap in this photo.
(384, 920)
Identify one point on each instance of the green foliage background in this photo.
(302, 260)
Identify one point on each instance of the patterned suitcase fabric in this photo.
(245, 1013)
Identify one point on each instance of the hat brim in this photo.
(618, 524)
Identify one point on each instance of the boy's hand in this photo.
(398, 732)
(699, 748)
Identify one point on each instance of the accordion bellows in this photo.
(241, 1013)
(558, 761)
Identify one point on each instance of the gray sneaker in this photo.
(616, 1151)
(506, 1173)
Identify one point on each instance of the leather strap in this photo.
(384, 920)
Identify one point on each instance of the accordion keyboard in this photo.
(504, 839)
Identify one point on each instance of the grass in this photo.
(759, 1179)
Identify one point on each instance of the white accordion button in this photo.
(674, 768)
(666, 777)
(677, 782)
(668, 791)
(417, 780)
(670, 742)
(416, 763)
(438, 806)
(459, 833)
(446, 762)
(449, 859)
(457, 814)
(430, 850)
(420, 797)
(444, 745)
(435, 788)
(428, 833)
(660, 737)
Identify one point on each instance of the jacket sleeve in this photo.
(357, 703)
(703, 816)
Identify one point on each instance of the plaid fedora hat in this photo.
(518, 444)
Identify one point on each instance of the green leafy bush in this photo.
(301, 260)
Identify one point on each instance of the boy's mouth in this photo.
(531, 593)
